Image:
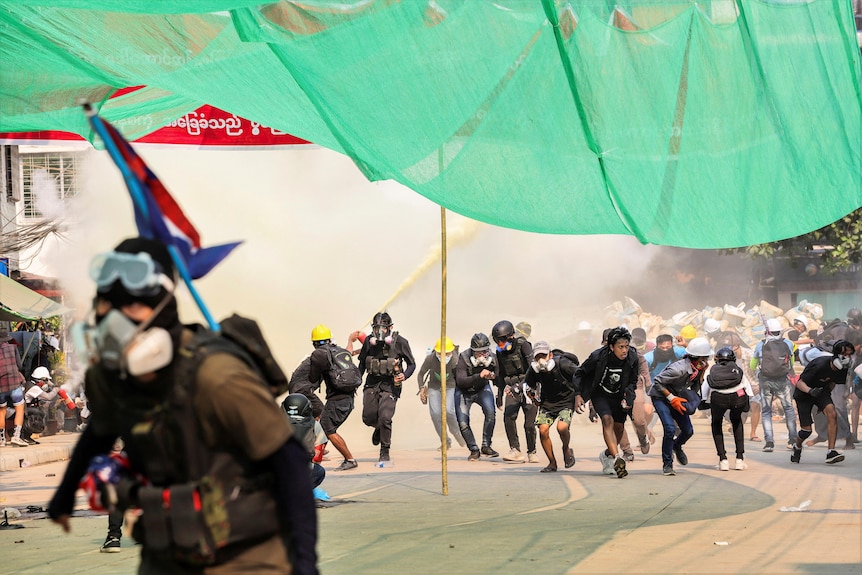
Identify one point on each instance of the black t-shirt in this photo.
(821, 373)
(556, 392)
(611, 381)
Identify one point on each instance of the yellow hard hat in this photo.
(450, 347)
(688, 332)
(320, 333)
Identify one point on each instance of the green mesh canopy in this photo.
(708, 124)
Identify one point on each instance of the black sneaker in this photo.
(681, 457)
(796, 455)
(488, 452)
(474, 456)
(346, 465)
(375, 437)
(111, 545)
(30, 440)
(769, 447)
(620, 467)
(668, 470)
(834, 456)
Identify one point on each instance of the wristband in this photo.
(670, 397)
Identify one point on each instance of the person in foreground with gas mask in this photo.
(814, 388)
(474, 373)
(431, 390)
(608, 378)
(514, 354)
(387, 360)
(204, 434)
(549, 384)
(673, 409)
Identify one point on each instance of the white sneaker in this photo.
(724, 465)
(514, 455)
(18, 442)
(607, 463)
(741, 464)
(532, 457)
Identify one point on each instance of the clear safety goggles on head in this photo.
(138, 273)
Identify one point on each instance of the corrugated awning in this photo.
(18, 302)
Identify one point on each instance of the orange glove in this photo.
(677, 404)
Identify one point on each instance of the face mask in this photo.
(483, 360)
(505, 346)
(543, 365)
(841, 362)
(381, 333)
(118, 344)
(440, 356)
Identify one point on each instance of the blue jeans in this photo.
(770, 389)
(670, 418)
(435, 407)
(465, 399)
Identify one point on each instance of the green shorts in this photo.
(549, 417)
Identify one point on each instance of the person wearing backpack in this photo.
(200, 426)
(773, 362)
(334, 365)
(387, 362)
(608, 378)
(549, 384)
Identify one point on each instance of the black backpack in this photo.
(344, 374)
(568, 355)
(243, 338)
(774, 359)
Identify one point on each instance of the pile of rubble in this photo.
(748, 323)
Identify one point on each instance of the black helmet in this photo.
(618, 333)
(297, 407)
(502, 330)
(480, 342)
(854, 316)
(381, 318)
(725, 354)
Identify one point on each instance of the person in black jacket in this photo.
(608, 378)
(726, 391)
(474, 373)
(514, 354)
(549, 383)
(387, 361)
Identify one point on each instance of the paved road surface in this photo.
(509, 518)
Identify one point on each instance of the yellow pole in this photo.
(445, 434)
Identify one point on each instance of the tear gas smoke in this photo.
(323, 245)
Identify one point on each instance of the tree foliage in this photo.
(839, 244)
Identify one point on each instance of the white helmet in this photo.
(711, 326)
(585, 326)
(699, 347)
(773, 325)
(41, 373)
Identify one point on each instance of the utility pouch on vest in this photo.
(154, 519)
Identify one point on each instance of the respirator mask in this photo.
(543, 364)
(119, 344)
(483, 360)
(380, 333)
(504, 345)
(841, 362)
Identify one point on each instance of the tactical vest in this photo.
(200, 499)
(513, 366)
(385, 362)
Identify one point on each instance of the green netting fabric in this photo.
(708, 124)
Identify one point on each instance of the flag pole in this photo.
(138, 198)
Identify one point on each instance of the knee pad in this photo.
(804, 434)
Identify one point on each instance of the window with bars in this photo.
(62, 169)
